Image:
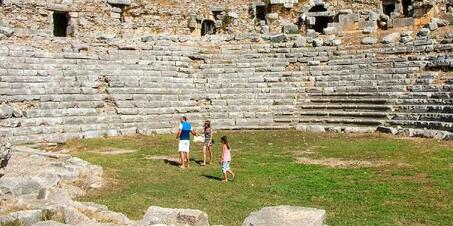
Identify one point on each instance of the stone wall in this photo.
(55, 96)
(135, 18)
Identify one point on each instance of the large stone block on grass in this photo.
(286, 215)
(178, 217)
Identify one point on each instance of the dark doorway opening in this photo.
(318, 8)
(407, 8)
(321, 22)
(388, 8)
(60, 24)
(207, 27)
(261, 13)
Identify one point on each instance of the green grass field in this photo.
(409, 181)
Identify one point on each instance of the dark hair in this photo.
(224, 140)
(184, 118)
(207, 124)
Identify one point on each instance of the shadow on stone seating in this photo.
(211, 177)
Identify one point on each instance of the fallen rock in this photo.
(278, 38)
(423, 32)
(286, 215)
(406, 39)
(178, 217)
(369, 41)
(318, 42)
(440, 22)
(384, 129)
(8, 32)
(329, 30)
(6, 111)
(391, 38)
(5, 153)
(49, 223)
(311, 128)
(300, 42)
(27, 217)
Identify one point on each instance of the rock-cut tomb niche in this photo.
(60, 24)
(207, 27)
(321, 20)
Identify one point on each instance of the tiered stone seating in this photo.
(237, 86)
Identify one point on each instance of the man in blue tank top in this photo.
(183, 135)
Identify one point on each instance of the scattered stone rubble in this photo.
(286, 215)
(38, 189)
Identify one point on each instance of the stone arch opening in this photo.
(408, 8)
(207, 27)
(60, 24)
(388, 7)
(321, 20)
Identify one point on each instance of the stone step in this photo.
(343, 114)
(435, 125)
(441, 117)
(342, 121)
(375, 107)
(339, 128)
(396, 95)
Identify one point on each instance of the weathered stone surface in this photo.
(49, 223)
(157, 215)
(318, 42)
(6, 111)
(8, 32)
(27, 217)
(391, 38)
(278, 38)
(424, 32)
(119, 2)
(286, 215)
(369, 40)
(290, 29)
(5, 153)
(300, 42)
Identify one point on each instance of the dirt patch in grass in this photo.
(340, 163)
(166, 159)
(113, 151)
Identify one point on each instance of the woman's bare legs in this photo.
(210, 153)
(204, 154)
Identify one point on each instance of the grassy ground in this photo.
(411, 183)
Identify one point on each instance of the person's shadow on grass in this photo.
(172, 162)
(211, 177)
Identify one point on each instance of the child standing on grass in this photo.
(226, 159)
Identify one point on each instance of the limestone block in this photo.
(8, 32)
(391, 38)
(424, 32)
(119, 2)
(318, 42)
(329, 30)
(27, 217)
(369, 41)
(286, 215)
(178, 217)
(290, 29)
(49, 223)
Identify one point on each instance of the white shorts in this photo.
(184, 145)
